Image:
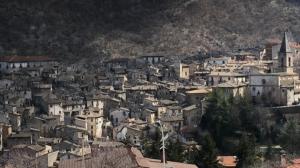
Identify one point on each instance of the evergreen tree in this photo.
(289, 136)
(208, 153)
(175, 151)
(192, 155)
(220, 119)
(247, 114)
(246, 151)
(151, 149)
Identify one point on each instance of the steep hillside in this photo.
(79, 29)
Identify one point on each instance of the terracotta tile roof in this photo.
(155, 163)
(227, 161)
(116, 158)
(295, 164)
(119, 157)
(25, 58)
(296, 161)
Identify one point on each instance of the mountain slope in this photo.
(79, 29)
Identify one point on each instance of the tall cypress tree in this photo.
(208, 153)
(246, 151)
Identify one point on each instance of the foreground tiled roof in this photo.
(25, 58)
(295, 164)
(155, 163)
(115, 158)
(119, 157)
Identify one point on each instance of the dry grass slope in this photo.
(97, 28)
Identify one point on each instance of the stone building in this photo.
(182, 71)
(15, 63)
(92, 122)
(281, 87)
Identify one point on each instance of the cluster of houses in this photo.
(58, 115)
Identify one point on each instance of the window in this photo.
(91, 127)
(223, 62)
(263, 81)
(253, 88)
(91, 119)
(220, 79)
(289, 61)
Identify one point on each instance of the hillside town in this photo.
(153, 111)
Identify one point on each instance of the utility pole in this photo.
(83, 161)
(163, 138)
(36, 161)
(163, 146)
(82, 152)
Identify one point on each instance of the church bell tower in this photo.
(285, 59)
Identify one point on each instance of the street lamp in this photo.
(163, 138)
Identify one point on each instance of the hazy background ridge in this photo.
(89, 28)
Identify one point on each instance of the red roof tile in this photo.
(227, 161)
(295, 164)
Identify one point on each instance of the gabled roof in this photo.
(116, 158)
